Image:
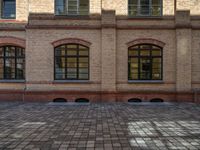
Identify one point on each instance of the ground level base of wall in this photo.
(49, 96)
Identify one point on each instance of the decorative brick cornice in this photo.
(71, 40)
(9, 40)
(146, 41)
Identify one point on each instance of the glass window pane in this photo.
(72, 73)
(20, 68)
(145, 53)
(1, 52)
(83, 76)
(60, 65)
(156, 52)
(20, 52)
(71, 52)
(60, 51)
(9, 68)
(60, 76)
(144, 7)
(83, 52)
(84, 59)
(145, 69)
(72, 7)
(1, 68)
(9, 51)
(133, 52)
(9, 9)
(83, 7)
(71, 62)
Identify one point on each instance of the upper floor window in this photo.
(12, 63)
(72, 7)
(72, 62)
(145, 8)
(145, 62)
(8, 9)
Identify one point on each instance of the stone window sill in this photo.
(12, 81)
(72, 81)
(146, 81)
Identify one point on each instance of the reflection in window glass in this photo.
(146, 63)
(12, 62)
(74, 65)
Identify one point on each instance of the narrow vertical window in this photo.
(71, 62)
(12, 63)
(8, 9)
(145, 62)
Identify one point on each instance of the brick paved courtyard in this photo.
(108, 126)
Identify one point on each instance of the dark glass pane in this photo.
(9, 9)
(156, 52)
(20, 68)
(145, 52)
(83, 7)
(83, 59)
(145, 69)
(72, 7)
(1, 52)
(156, 7)
(9, 68)
(20, 52)
(60, 65)
(60, 51)
(156, 63)
(144, 7)
(72, 73)
(71, 62)
(133, 53)
(9, 51)
(71, 52)
(83, 76)
(1, 68)
(60, 76)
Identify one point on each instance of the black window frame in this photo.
(15, 58)
(68, 14)
(77, 62)
(2, 11)
(148, 57)
(139, 15)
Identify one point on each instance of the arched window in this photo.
(145, 8)
(71, 62)
(145, 62)
(12, 62)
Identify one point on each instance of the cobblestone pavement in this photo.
(106, 126)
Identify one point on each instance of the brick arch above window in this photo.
(10, 40)
(146, 41)
(71, 40)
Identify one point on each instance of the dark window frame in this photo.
(77, 62)
(148, 57)
(2, 11)
(15, 58)
(138, 15)
(68, 14)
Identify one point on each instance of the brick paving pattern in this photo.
(107, 126)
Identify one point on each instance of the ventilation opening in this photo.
(134, 100)
(157, 100)
(59, 100)
(82, 100)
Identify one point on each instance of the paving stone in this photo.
(101, 126)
